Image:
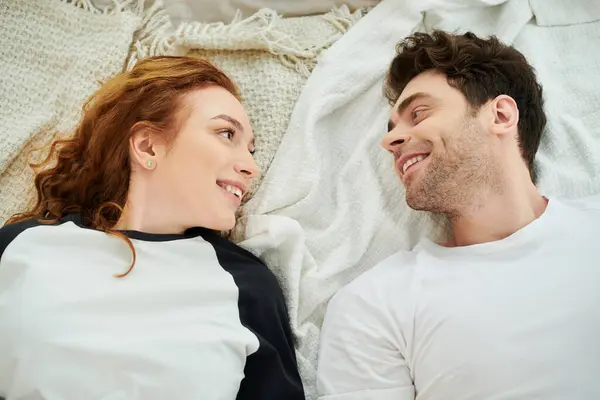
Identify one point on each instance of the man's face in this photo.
(441, 150)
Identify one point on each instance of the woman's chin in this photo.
(222, 223)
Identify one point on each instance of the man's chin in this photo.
(415, 205)
(416, 198)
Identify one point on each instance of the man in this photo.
(509, 306)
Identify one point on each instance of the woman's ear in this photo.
(145, 146)
(505, 115)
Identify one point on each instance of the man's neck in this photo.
(497, 215)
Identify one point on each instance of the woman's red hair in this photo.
(89, 173)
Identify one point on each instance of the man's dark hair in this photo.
(481, 69)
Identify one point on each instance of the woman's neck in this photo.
(144, 212)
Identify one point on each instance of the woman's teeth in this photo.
(234, 189)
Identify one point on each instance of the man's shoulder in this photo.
(395, 274)
(591, 203)
(583, 211)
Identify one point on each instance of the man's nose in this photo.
(395, 138)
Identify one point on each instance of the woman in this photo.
(159, 163)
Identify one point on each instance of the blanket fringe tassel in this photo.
(156, 35)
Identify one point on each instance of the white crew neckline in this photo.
(533, 230)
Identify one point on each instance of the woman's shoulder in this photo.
(10, 232)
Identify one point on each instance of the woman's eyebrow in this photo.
(237, 124)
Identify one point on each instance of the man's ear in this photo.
(145, 147)
(505, 115)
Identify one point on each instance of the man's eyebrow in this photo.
(410, 99)
(405, 104)
(236, 124)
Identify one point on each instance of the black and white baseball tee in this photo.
(197, 318)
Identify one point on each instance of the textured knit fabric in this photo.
(53, 55)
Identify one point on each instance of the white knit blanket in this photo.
(53, 55)
(331, 207)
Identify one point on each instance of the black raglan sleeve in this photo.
(271, 373)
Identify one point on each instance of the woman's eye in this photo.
(227, 134)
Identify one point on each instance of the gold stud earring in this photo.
(150, 164)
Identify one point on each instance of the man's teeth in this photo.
(235, 190)
(412, 161)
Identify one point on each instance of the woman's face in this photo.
(201, 177)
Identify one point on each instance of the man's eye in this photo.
(227, 133)
(417, 115)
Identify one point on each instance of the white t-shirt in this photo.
(517, 318)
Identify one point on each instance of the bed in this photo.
(328, 206)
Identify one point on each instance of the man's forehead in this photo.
(429, 83)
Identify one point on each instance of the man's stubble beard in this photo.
(459, 180)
